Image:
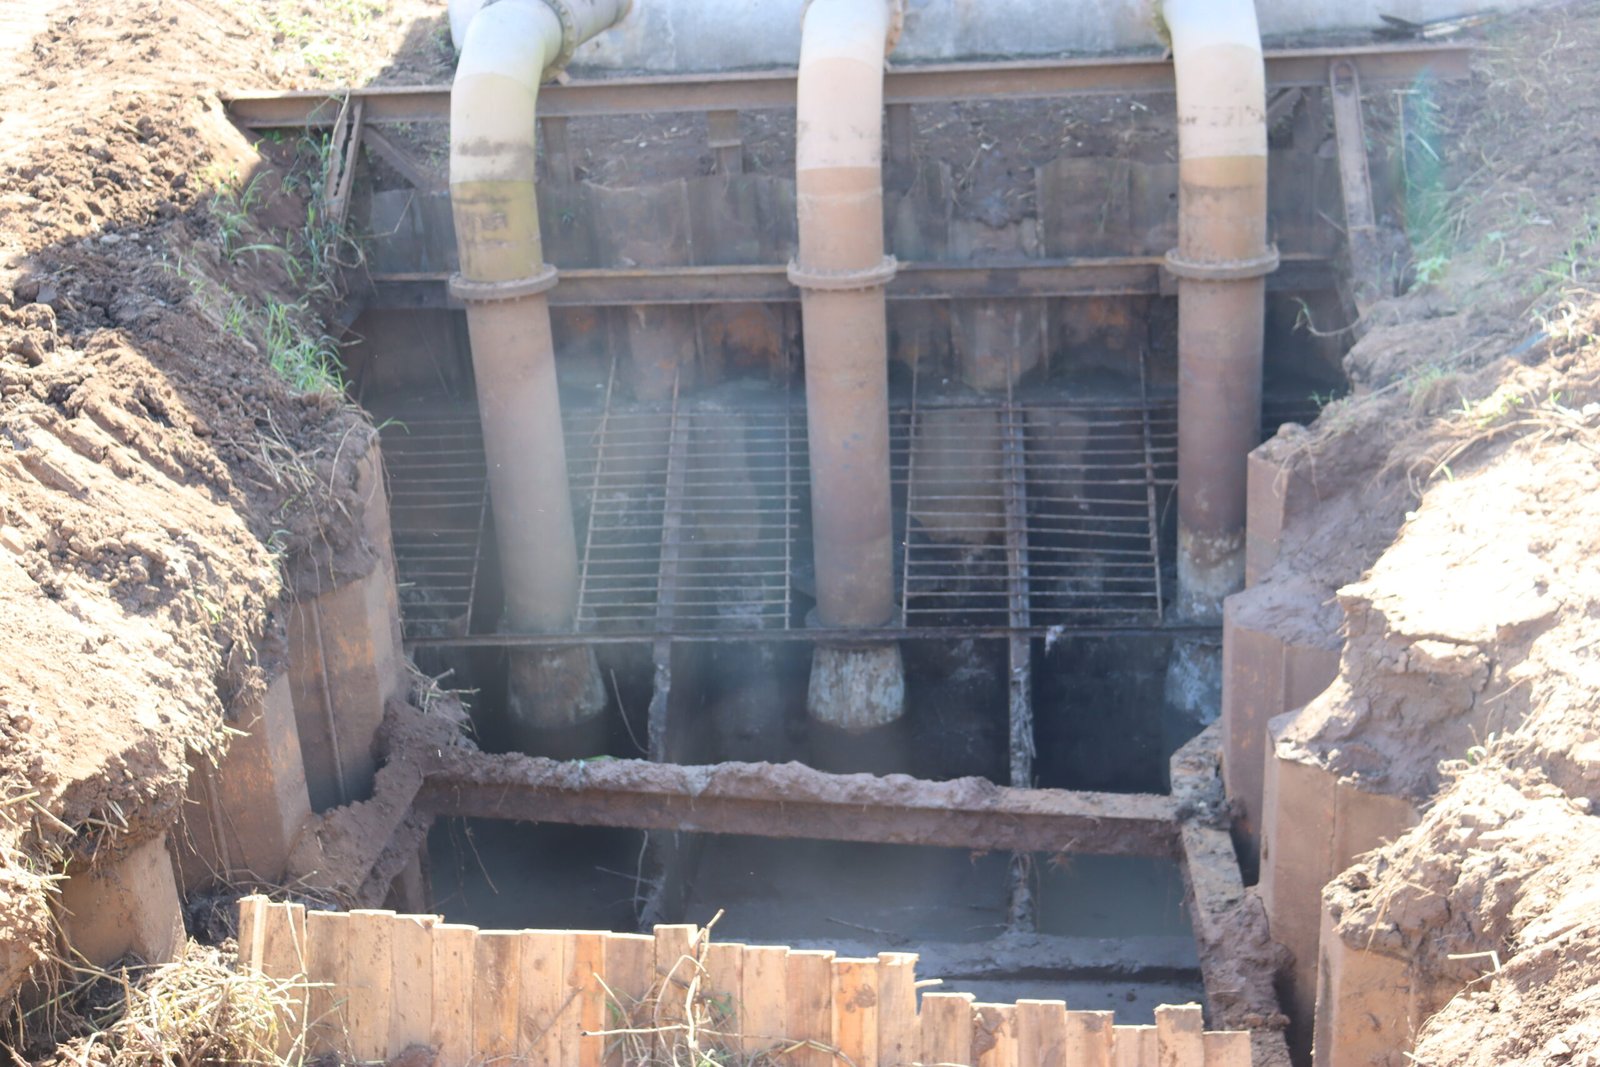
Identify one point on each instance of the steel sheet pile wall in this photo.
(365, 985)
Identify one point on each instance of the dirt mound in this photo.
(1492, 902)
(1451, 509)
(167, 485)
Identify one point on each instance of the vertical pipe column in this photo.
(1221, 261)
(554, 696)
(841, 270)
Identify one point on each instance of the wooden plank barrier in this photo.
(368, 984)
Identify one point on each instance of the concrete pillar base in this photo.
(556, 702)
(1210, 569)
(1367, 1005)
(856, 703)
(855, 688)
(1193, 689)
(346, 662)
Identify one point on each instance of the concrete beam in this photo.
(792, 800)
(926, 84)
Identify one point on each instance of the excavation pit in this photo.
(1110, 932)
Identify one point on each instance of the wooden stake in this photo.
(411, 981)
(899, 1040)
(677, 965)
(1133, 1046)
(724, 988)
(1041, 1027)
(855, 1010)
(765, 984)
(371, 967)
(946, 1024)
(586, 973)
(995, 1035)
(545, 1020)
(630, 970)
(281, 939)
(328, 974)
(1178, 1035)
(1089, 1038)
(454, 952)
(250, 932)
(496, 1003)
(1227, 1048)
(810, 1006)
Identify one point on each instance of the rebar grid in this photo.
(438, 507)
(693, 516)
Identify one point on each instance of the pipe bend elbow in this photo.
(579, 20)
(1220, 75)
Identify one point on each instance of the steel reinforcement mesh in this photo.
(693, 517)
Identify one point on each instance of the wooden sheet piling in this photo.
(765, 993)
(369, 984)
(328, 975)
(855, 1010)
(1041, 1027)
(411, 981)
(546, 1019)
(946, 1025)
(368, 944)
(454, 947)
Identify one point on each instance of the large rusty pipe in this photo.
(841, 270)
(1221, 261)
(510, 47)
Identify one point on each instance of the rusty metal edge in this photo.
(795, 801)
(1286, 68)
(905, 633)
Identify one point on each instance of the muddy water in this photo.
(778, 891)
(857, 898)
(513, 876)
(1111, 896)
(821, 894)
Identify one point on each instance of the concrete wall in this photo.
(242, 815)
(125, 904)
(664, 36)
(346, 662)
(1314, 824)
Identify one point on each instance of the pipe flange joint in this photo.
(1229, 270)
(471, 292)
(843, 280)
(569, 37)
(897, 23)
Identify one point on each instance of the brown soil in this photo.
(1452, 515)
(164, 488)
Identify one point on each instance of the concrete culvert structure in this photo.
(898, 532)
